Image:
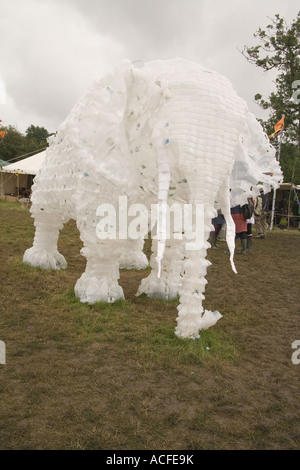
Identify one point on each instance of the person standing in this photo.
(217, 223)
(240, 226)
(261, 213)
(250, 222)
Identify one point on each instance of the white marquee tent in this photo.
(16, 178)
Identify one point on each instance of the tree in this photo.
(15, 146)
(39, 134)
(279, 49)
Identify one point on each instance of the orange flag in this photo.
(279, 126)
(2, 134)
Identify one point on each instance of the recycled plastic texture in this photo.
(171, 132)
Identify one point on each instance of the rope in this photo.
(33, 152)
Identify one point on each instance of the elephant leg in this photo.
(99, 282)
(44, 253)
(132, 256)
(168, 284)
(191, 315)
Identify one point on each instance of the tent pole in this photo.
(274, 191)
(273, 209)
(18, 188)
(2, 187)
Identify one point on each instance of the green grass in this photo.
(115, 376)
(291, 231)
(151, 337)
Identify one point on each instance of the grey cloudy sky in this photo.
(51, 50)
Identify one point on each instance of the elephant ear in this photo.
(148, 137)
(106, 130)
(255, 163)
(94, 134)
(145, 109)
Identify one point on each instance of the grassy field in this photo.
(114, 376)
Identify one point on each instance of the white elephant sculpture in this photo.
(169, 132)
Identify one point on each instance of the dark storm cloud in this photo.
(55, 48)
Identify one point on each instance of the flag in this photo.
(2, 134)
(279, 126)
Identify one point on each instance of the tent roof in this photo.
(3, 163)
(27, 166)
(288, 186)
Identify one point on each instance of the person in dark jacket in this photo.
(217, 223)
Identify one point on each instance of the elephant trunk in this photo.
(164, 177)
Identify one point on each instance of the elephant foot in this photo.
(162, 288)
(90, 289)
(133, 261)
(44, 259)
